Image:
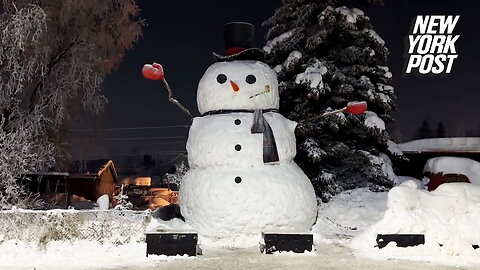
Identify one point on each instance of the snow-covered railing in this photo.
(41, 227)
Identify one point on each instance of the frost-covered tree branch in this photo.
(54, 56)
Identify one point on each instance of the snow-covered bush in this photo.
(122, 201)
(41, 227)
(176, 177)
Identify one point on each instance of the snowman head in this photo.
(238, 85)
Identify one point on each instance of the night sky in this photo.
(181, 35)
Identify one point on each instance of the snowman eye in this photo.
(250, 79)
(221, 78)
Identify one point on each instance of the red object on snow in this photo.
(356, 107)
(153, 71)
(436, 179)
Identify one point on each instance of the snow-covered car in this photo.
(441, 170)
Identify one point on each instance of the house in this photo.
(92, 178)
(422, 152)
(51, 187)
(46, 182)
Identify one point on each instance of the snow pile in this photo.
(373, 121)
(456, 165)
(173, 225)
(449, 218)
(312, 75)
(348, 214)
(420, 183)
(103, 202)
(464, 144)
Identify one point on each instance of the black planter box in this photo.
(402, 240)
(298, 243)
(171, 243)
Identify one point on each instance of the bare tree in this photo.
(54, 56)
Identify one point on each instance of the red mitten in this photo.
(153, 71)
(357, 107)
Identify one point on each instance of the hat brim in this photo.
(247, 54)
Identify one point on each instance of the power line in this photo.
(133, 138)
(165, 153)
(128, 128)
(144, 138)
(160, 143)
(171, 160)
(149, 153)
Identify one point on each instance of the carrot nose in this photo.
(234, 86)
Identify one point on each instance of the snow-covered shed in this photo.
(92, 178)
(420, 151)
(50, 186)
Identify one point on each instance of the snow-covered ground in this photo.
(351, 217)
(87, 255)
(449, 218)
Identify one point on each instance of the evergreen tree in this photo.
(326, 55)
(424, 131)
(441, 133)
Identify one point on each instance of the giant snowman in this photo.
(243, 179)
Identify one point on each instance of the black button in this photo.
(237, 122)
(238, 147)
(238, 179)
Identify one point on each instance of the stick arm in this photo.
(174, 101)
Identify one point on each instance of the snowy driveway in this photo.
(327, 257)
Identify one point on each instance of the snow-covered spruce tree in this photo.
(53, 58)
(326, 55)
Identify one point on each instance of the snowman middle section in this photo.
(230, 191)
(226, 140)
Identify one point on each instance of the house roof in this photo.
(442, 145)
(91, 168)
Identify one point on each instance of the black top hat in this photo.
(238, 37)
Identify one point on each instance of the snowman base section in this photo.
(226, 203)
(286, 242)
(172, 243)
